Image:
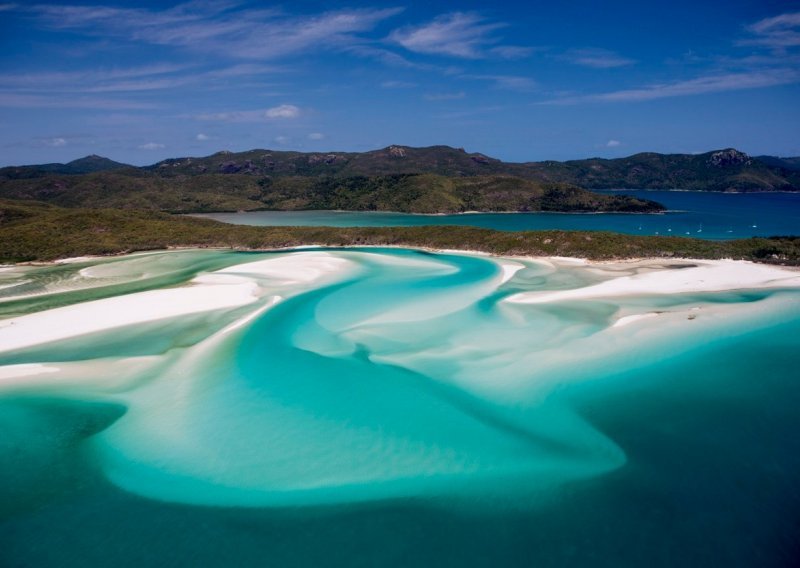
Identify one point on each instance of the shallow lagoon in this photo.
(389, 406)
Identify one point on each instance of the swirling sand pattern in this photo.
(321, 377)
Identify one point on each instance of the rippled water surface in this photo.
(393, 407)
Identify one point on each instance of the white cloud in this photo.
(202, 137)
(698, 86)
(282, 111)
(459, 34)
(596, 58)
(56, 142)
(612, 143)
(316, 136)
(779, 32)
(151, 146)
(282, 140)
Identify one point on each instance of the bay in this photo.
(704, 215)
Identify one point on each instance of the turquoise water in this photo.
(695, 214)
(393, 407)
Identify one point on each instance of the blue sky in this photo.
(139, 82)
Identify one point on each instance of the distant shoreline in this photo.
(30, 234)
(373, 212)
(435, 250)
(615, 190)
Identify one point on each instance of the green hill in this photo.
(412, 193)
(440, 160)
(724, 170)
(436, 179)
(85, 165)
(791, 164)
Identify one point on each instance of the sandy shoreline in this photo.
(678, 277)
(228, 288)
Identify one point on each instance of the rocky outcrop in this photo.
(329, 159)
(246, 167)
(396, 152)
(729, 157)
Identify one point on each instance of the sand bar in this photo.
(224, 289)
(680, 278)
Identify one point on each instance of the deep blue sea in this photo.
(694, 214)
(392, 407)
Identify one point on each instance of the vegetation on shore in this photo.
(437, 179)
(31, 231)
(410, 193)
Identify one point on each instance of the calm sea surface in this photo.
(695, 214)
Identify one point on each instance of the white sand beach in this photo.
(224, 289)
(242, 284)
(655, 277)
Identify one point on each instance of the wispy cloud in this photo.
(152, 146)
(507, 82)
(459, 34)
(699, 86)
(31, 89)
(398, 85)
(386, 57)
(232, 116)
(780, 32)
(280, 112)
(596, 58)
(23, 100)
(90, 79)
(55, 142)
(445, 96)
(316, 136)
(202, 137)
(513, 51)
(470, 113)
(246, 70)
(221, 28)
(613, 144)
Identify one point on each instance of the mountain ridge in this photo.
(719, 170)
(85, 165)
